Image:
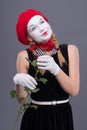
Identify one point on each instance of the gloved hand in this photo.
(23, 80)
(47, 62)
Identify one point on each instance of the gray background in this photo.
(69, 22)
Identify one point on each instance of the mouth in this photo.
(45, 33)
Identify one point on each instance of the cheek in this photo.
(47, 25)
(35, 36)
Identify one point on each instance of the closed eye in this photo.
(32, 28)
(42, 21)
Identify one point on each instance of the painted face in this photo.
(39, 29)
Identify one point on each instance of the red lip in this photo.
(45, 33)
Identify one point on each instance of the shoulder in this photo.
(22, 54)
(69, 51)
(73, 51)
(21, 62)
(72, 47)
(68, 46)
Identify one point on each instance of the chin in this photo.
(45, 39)
(48, 38)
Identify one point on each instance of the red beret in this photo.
(21, 26)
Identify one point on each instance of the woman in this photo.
(59, 64)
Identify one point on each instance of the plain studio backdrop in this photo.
(69, 22)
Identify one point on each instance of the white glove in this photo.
(23, 79)
(47, 62)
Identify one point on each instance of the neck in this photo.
(46, 46)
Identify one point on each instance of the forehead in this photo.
(34, 20)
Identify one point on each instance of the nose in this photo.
(40, 28)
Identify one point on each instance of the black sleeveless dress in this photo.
(49, 117)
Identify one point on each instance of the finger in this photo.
(33, 80)
(42, 63)
(30, 86)
(30, 81)
(44, 68)
(30, 78)
(44, 59)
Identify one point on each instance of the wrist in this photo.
(57, 70)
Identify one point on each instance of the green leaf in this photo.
(20, 97)
(36, 78)
(34, 63)
(27, 89)
(25, 106)
(43, 80)
(35, 90)
(13, 93)
(34, 106)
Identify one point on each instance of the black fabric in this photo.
(57, 117)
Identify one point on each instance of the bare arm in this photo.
(22, 67)
(71, 83)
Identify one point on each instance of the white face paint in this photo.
(39, 29)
